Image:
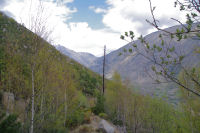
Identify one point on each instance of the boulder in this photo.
(97, 125)
(106, 127)
(8, 101)
(20, 108)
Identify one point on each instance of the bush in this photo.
(103, 115)
(9, 124)
(85, 129)
(75, 119)
(99, 107)
(87, 115)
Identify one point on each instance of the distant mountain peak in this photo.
(83, 58)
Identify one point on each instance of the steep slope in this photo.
(31, 67)
(83, 58)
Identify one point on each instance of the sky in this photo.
(88, 25)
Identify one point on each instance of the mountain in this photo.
(83, 58)
(133, 66)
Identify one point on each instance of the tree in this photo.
(190, 102)
(37, 24)
(165, 58)
(140, 113)
(99, 107)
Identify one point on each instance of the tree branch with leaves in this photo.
(165, 57)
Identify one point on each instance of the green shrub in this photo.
(86, 129)
(75, 119)
(87, 115)
(9, 124)
(99, 107)
(103, 115)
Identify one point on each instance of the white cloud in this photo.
(24, 9)
(125, 15)
(80, 37)
(97, 10)
(76, 36)
(120, 16)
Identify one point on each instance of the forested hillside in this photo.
(30, 67)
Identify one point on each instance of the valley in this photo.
(150, 85)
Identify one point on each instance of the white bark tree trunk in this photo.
(41, 104)
(33, 98)
(65, 107)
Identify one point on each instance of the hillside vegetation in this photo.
(62, 86)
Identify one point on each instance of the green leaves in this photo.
(153, 68)
(194, 15)
(134, 45)
(182, 7)
(181, 58)
(126, 34)
(159, 49)
(130, 50)
(175, 60)
(193, 70)
(122, 37)
(154, 46)
(129, 34)
(172, 49)
(162, 42)
(147, 46)
(141, 38)
(168, 56)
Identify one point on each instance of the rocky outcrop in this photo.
(8, 101)
(11, 105)
(97, 125)
(107, 127)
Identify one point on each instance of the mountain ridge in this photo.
(83, 58)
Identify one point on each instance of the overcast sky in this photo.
(88, 25)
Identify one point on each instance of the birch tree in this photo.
(37, 23)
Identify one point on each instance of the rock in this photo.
(107, 127)
(8, 101)
(97, 125)
(20, 108)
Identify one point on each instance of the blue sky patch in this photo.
(84, 14)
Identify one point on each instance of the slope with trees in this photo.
(56, 89)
